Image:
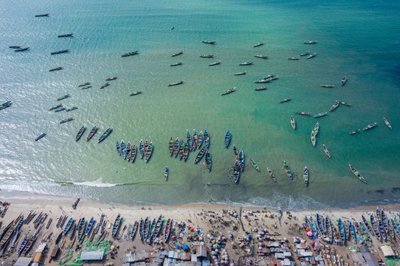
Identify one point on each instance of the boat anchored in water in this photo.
(258, 44)
(40, 136)
(177, 54)
(306, 176)
(105, 135)
(285, 100)
(314, 134)
(166, 173)
(292, 122)
(209, 42)
(260, 56)
(271, 175)
(228, 91)
(80, 133)
(326, 151)
(343, 81)
(175, 83)
(130, 54)
(357, 174)
(370, 126)
(255, 165)
(65, 35)
(246, 63)
(92, 132)
(387, 123)
(228, 138)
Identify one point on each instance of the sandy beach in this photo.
(232, 224)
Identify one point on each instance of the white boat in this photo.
(343, 81)
(387, 123)
(292, 122)
(326, 151)
(314, 134)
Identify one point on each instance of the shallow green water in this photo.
(358, 40)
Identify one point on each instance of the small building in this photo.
(90, 256)
(23, 261)
(387, 251)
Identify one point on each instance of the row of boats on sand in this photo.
(129, 152)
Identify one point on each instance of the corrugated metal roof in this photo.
(23, 261)
(92, 255)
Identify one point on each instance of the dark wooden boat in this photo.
(116, 226)
(80, 133)
(84, 84)
(14, 47)
(134, 231)
(258, 44)
(71, 109)
(310, 42)
(59, 237)
(311, 55)
(175, 83)
(60, 109)
(208, 161)
(176, 64)
(111, 78)
(171, 146)
(87, 87)
(60, 52)
(21, 49)
(5, 105)
(42, 15)
(215, 63)
(343, 81)
(63, 97)
(105, 135)
(177, 54)
(105, 85)
(65, 35)
(55, 69)
(304, 113)
(130, 54)
(200, 155)
(135, 93)
(55, 107)
(334, 106)
(228, 138)
(66, 120)
(293, 58)
(40, 136)
(209, 42)
(149, 152)
(92, 132)
(168, 229)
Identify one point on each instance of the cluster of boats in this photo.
(198, 141)
(5, 105)
(91, 134)
(379, 225)
(129, 152)
(149, 229)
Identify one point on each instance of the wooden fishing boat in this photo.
(334, 106)
(133, 153)
(328, 86)
(60, 52)
(387, 123)
(130, 54)
(65, 35)
(285, 100)
(200, 154)
(68, 225)
(258, 44)
(241, 159)
(255, 165)
(322, 114)
(236, 172)
(311, 55)
(357, 174)
(92, 132)
(116, 226)
(314, 134)
(326, 151)
(208, 161)
(293, 58)
(186, 150)
(271, 175)
(240, 73)
(228, 138)
(55, 69)
(228, 91)
(105, 135)
(166, 173)
(304, 113)
(175, 83)
(149, 152)
(176, 64)
(261, 88)
(310, 42)
(135, 93)
(207, 56)
(261, 56)
(288, 170)
(80, 133)
(292, 122)
(246, 63)
(208, 42)
(40, 136)
(168, 229)
(370, 126)
(216, 63)
(306, 176)
(171, 146)
(177, 54)
(343, 81)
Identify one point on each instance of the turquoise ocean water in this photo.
(359, 39)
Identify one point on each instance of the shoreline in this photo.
(21, 196)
